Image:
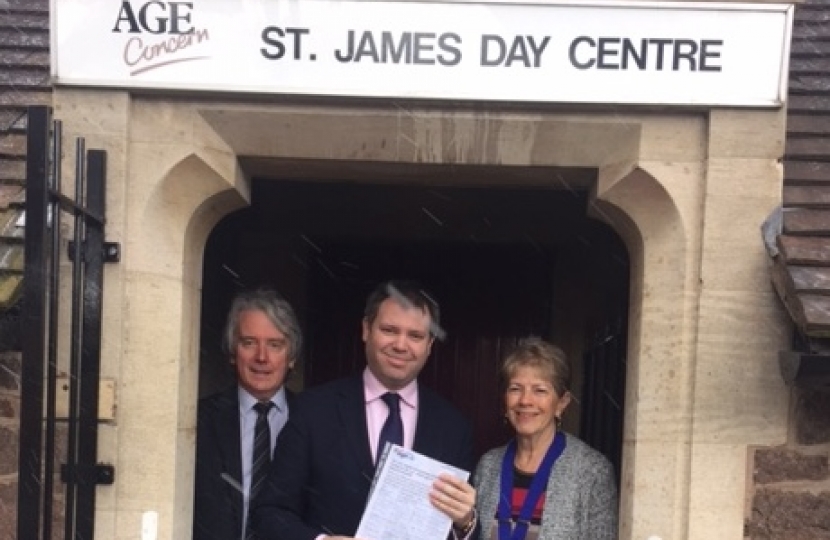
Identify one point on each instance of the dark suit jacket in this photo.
(218, 502)
(322, 470)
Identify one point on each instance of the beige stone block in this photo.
(155, 162)
(160, 122)
(737, 265)
(157, 121)
(746, 133)
(734, 179)
(717, 491)
(129, 523)
(116, 199)
(301, 133)
(183, 520)
(740, 396)
(660, 370)
(414, 135)
(653, 496)
(741, 196)
(673, 138)
(566, 143)
(112, 318)
(98, 114)
(684, 182)
(105, 519)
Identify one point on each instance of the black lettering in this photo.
(402, 51)
(588, 64)
(421, 45)
(706, 54)
(455, 54)
(605, 53)
(688, 55)
(267, 37)
(367, 47)
(661, 47)
(340, 57)
(486, 40)
(175, 17)
(538, 49)
(629, 52)
(518, 53)
(125, 14)
(161, 22)
(298, 33)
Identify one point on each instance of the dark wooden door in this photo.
(489, 295)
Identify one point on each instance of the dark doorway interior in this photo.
(503, 262)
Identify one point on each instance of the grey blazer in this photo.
(580, 500)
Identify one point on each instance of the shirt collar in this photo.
(247, 401)
(373, 389)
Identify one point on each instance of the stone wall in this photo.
(9, 430)
(790, 497)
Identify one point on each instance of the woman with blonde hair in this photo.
(544, 484)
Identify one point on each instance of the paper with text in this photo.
(399, 507)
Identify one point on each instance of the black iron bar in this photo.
(33, 328)
(76, 347)
(91, 339)
(76, 208)
(53, 225)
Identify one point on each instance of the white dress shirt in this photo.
(277, 417)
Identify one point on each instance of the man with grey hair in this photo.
(238, 427)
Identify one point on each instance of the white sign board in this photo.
(664, 53)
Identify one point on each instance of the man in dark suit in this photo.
(263, 340)
(325, 458)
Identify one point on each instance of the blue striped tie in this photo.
(392, 430)
(261, 456)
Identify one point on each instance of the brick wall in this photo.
(24, 81)
(790, 485)
(790, 497)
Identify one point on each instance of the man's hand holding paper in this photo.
(415, 497)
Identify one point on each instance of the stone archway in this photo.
(646, 216)
(657, 432)
(182, 164)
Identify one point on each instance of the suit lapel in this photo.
(228, 429)
(352, 411)
(428, 426)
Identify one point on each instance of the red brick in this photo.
(805, 250)
(8, 511)
(796, 172)
(8, 450)
(812, 417)
(781, 515)
(807, 221)
(788, 465)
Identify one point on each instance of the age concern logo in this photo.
(162, 34)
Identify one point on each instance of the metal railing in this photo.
(45, 206)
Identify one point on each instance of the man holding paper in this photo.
(325, 458)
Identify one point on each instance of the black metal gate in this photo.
(46, 496)
(604, 389)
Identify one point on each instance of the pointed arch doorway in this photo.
(506, 253)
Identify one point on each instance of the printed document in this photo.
(399, 507)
